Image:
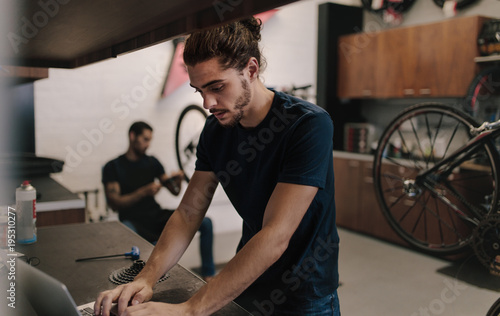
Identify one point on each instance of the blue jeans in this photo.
(259, 305)
(326, 306)
(206, 245)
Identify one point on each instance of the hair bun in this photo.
(253, 25)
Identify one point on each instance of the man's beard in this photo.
(242, 101)
(139, 152)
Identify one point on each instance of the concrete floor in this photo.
(379, 278)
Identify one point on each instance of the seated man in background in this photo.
(132, 180)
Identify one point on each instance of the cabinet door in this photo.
(372, 221)
(431, 60)
(426, 42)
(347, 193)
(396, 68)
(444, 54)
(457, 51)
(357, 65)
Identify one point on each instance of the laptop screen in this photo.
(46, 295)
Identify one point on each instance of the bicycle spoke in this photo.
(433, 141)
(433, 191)
(417, 138)
(418, 220)
(451, 215)
(441, 235)
(439, 219)
(451, 139)
(405, 146)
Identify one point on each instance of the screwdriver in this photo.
(134, 255)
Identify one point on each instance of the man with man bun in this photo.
(273, 156)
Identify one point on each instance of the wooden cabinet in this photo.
(347, 192)
(432, 60)
(358, 66)
(356, 203)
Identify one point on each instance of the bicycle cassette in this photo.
(486, 243)
(127, 274)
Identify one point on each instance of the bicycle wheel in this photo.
(187, 134)
(483, 95)
(494, 309)
(433, 209)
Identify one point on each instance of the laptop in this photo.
(49, 296)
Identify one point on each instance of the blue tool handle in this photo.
(134, 254)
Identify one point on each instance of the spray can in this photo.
(26, 213)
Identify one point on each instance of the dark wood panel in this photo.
(347, 192)
(372, 220)
(61, 217)
(393, 54)
(357, 65)
(430, 60)
(457, 73)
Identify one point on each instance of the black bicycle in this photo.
(189, 127)
(436, 175)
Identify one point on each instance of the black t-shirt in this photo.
(132, 175)
(293, 144)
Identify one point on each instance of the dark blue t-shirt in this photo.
(293, 144)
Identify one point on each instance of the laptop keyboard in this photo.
(87, 311)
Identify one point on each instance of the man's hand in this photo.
(127, 294)
(173, 182)
(150, 189)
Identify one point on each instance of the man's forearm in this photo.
(248, 264)
(173, 242)
(117, 201)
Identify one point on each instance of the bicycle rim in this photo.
(483, 95)
(187, 134)
(436, 213)
(494, 309)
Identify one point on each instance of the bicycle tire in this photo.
(425, 211)
(187, 136)
(494, 309)
(483, 92)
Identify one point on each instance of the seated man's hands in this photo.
(150, 189)
(174, 182)
(127, 294)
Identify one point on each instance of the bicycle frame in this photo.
(485, 133)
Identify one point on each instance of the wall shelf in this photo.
(487, 59)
